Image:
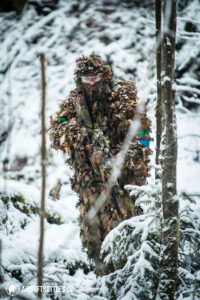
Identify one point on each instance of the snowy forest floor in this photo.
(123, 35)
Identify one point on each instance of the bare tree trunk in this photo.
(170, 234)
(43, 166)
(158, 7)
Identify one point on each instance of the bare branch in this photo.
(43, 166)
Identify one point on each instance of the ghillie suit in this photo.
(90, 127)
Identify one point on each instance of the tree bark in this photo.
(43, 166)
(170, 234)
(158, 5)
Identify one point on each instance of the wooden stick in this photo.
(43, 169)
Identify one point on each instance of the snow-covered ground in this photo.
(124, 36)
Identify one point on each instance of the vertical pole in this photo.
(43, 169)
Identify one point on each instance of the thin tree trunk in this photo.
(158, 5)
(170, 234)
(43, 166)
(1, 269)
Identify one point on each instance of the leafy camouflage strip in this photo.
(92, 64)
(91, 148)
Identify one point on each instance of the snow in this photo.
(166, 78)
(62, 36)
(188, 144)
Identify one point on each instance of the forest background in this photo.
(123, 33)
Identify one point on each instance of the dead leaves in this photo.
(62, 139)
(90, 149)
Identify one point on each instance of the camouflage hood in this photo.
(92, 65)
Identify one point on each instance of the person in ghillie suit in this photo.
(90, 127)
